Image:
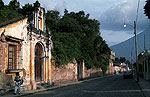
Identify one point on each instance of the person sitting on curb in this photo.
(18, 83)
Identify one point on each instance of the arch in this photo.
(39, 62)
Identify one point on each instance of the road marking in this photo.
(115, 91)
(146, 90)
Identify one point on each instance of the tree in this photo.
(8, 14)
(103, 66)
(52, 20)
(75, 36)
(102, 52)
(27, 10)
(1, 4)
(65, 48)
(147, 9)
(14, 4)
(63, 32)
(127, 62)
(122, 59)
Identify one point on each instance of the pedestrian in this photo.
(18, 82)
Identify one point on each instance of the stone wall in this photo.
(92, 73)
(73, 72)
(3, 55)
(64, 73)
(6, 83)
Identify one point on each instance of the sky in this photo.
(112, 14)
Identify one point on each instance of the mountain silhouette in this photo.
(124, 49)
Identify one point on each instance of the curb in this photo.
(140, 87)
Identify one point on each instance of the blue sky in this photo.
(112, 14)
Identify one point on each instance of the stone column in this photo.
(49, 66)
(83, 69)
(32, 73)
(44, 68)
(76, 69)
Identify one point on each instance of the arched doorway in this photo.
(38, 63)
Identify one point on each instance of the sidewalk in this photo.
(145, 86)
(57, 85)
(25, 93)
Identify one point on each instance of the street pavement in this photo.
(145, 86)
(111, 86)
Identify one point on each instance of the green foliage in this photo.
(10, 14)
(117, 61)
(65, 48)
(122, 59)
(75, 36)
(52, 20)
(147, 9)
(1, 4)
(104, 63)
(27, 9)
(127, 62)
(14, 4)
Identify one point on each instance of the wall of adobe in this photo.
(3, 56)
(92, 73)
(70, 72)
(64, 73)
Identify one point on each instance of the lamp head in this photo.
(124, 25)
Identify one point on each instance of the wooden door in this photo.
(38, 63)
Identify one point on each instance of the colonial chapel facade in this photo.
(25, 47)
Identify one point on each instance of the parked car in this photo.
(128, 74)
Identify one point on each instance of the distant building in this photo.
(110, 69)
(124, 67)
(144, 64)
(116, 69)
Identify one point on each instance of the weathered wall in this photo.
(64, 73)
(6, 83)
(73, 72)
(87, 73)
(93, 73)
(16, 29)
(3, 56)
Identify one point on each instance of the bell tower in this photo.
(39, 17)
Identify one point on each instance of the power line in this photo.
(137, 11)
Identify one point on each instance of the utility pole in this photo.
(144, 43)
(137, 65)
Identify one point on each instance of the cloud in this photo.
(61, 6)
(112, 21)
(112, 14)
(115, 37)
(125, 12)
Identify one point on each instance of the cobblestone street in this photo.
(112, 86)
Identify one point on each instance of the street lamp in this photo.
(137, 65)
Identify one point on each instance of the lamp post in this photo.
(137, 65)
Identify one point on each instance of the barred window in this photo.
(11, 56)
